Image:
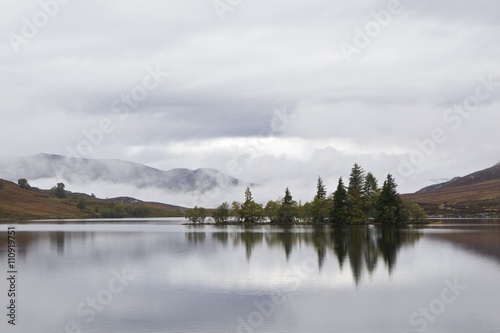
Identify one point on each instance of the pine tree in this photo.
(355, 195)
(321, 190)
(339, 212)
(248, 196)
(371, 193)
(356, 179)
(287, 209)
(389, 203)
(319, 206)
(287, 199)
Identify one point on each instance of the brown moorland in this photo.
(477, 194)
(17, 203)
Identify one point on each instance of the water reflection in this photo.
(202, 279)
(361, 246)
(483, 239)
(57, 238)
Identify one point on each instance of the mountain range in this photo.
(81, 170)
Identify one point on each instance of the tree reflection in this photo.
(362, 246)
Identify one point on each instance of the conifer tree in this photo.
(287, 209)
(320, 190)
(319, 206)
(355, 195)
(339, 212)
(371, 192)
(389, 203)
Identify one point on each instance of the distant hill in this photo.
(476, 194)
(18, 203)
(480, 177)
(81, 170)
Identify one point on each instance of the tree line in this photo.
(359, 202)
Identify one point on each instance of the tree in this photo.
(236, 211)
(319, 206)
(271, 210)
(196, 214)
(355, 195)
(304, 212)
(389, 203)
(251, 212)
(287, 209)
(23, 183)
(221, 213)
(371, 193)
(59, 191)
(339, 212)
(140, 211)
(412, 211)
(320, 190)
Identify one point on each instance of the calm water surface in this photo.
(162, 276)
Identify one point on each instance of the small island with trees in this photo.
(361, 201)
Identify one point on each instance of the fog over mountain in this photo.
(109, 177)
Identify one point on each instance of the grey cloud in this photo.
(226, 78)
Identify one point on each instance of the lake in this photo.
(161, 276)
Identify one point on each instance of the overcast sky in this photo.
(272, 92)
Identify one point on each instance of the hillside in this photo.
(477, 194)
(18, 203)
(480, 177)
